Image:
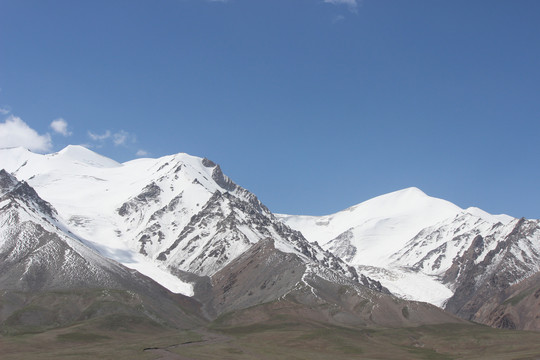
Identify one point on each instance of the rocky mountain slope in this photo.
(178, 213)
(475, 258)
(432, 250)
(515, 307)
(370, 232)
(48, 277)
(266, 283)
(181, 221)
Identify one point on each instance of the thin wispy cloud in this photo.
(99, 137)
(338, 18)
(141, 152)
(4, 111)
(351, 4)
(119, 138)
(122, 137)
(15, 132)
(60, 126)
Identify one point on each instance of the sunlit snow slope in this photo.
(86, 189)
(163, 216)
(372, 234)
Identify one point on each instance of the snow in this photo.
(380, 226)
(162, 277)
(502, 218)
(82, 155)
(395, 232)
(411, 285)
(87, 189)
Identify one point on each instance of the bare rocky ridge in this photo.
(514, 258)
(472, 256)
(181, 214)
(515, 307)
(49, 278)
(203, 239)
(477, 259)
(196, 238)
(264, 282)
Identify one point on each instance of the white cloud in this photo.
(118, 138)
(60, 126)
(352, 4)
(98, 137)
(338, 18)
(141, 152)
(4, 111)
(121, 137)
(15, 132)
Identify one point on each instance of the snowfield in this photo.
(181, 213)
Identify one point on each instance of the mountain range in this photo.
(175, 241)
(428, 249)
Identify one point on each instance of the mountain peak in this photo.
(403, 201)
(411, 190)
(502, 218)
(74, 148)
(407, 193)
(86, 156)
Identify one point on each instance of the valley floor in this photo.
(274, 340)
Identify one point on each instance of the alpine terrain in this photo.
(49, 277)
(428, 249)
(172, 252)
(182, 222)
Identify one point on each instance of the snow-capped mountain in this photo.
(266, 283)
(182, 222)
(49, 277)
(413, 243)
(428, 249)
(32, 241)
(370, 232)
(475, 257)
(176, 214)
(181, 216)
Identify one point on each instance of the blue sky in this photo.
(313, 105)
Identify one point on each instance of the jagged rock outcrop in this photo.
(265, 282)
(178, 214)
(490, 266)
(50, 278)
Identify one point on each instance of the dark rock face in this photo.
(7, 181)
(21, 191)
(260, 275)
(516, 307)
(222, 180)
(150, 193)
(480, 281)
(265, 282)
(505, 322)
(342, 246)
(208, 163)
